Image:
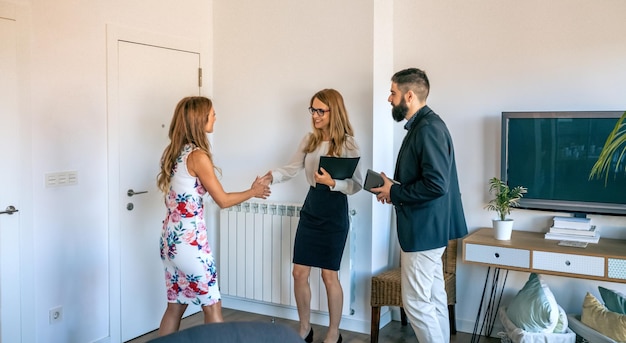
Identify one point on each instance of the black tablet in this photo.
(374, 180)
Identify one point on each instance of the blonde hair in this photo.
(340, 126)
(187, 127)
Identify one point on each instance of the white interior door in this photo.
(151, 81)
(9, 185)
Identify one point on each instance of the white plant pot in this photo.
(502, 229)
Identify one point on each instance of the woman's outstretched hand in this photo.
(260, 189)
(267, 178)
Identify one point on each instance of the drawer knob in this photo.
(567, 263)
(497, 255)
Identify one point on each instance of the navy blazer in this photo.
(428, 199)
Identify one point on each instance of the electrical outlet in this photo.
(56, 315)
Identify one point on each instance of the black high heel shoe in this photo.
(309, 337)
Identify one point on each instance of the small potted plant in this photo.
(505, 199)
(612, 153)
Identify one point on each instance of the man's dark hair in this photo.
(412, 79)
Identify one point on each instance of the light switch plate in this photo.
(64, 178)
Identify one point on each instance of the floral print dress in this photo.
(190, 271)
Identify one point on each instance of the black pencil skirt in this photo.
(322, 229)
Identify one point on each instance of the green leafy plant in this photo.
(615, 146)
(505, 197)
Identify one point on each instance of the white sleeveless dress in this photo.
(190, 270)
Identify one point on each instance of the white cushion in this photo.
(562, 323)
(534, 308)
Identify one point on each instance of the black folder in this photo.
(339, 168)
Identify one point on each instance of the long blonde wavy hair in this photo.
(187, 126)
(340, 126)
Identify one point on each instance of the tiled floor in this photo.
(393, 332)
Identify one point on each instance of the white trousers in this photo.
(424, 295)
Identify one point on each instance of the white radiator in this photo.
(255, 256)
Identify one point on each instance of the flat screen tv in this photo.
(552, 153)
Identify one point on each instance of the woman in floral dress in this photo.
(187, 174)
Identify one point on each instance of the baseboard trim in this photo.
(288, 312)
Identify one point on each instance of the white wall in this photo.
(68, 101)
(270, 58)
(483, 57)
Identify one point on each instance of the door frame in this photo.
(20, 326)
(114, 34)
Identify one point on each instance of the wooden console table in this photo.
(530, 252)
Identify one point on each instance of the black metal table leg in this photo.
(493, 303)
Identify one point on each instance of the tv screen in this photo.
(552, 153)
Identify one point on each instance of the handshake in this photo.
(261, 186)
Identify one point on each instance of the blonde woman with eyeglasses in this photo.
(324, 222)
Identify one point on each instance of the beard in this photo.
(399, 112)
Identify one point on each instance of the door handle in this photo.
(10, 210)
(131, 192)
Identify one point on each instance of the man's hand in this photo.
(383, 193)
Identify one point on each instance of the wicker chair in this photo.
(386, 290)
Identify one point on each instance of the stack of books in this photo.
(573, 229)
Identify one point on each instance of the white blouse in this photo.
(310, 163)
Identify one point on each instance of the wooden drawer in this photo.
(529, 251)
(568, 263)
(497, 255)
(617, 268)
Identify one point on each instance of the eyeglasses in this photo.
(320, 112)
